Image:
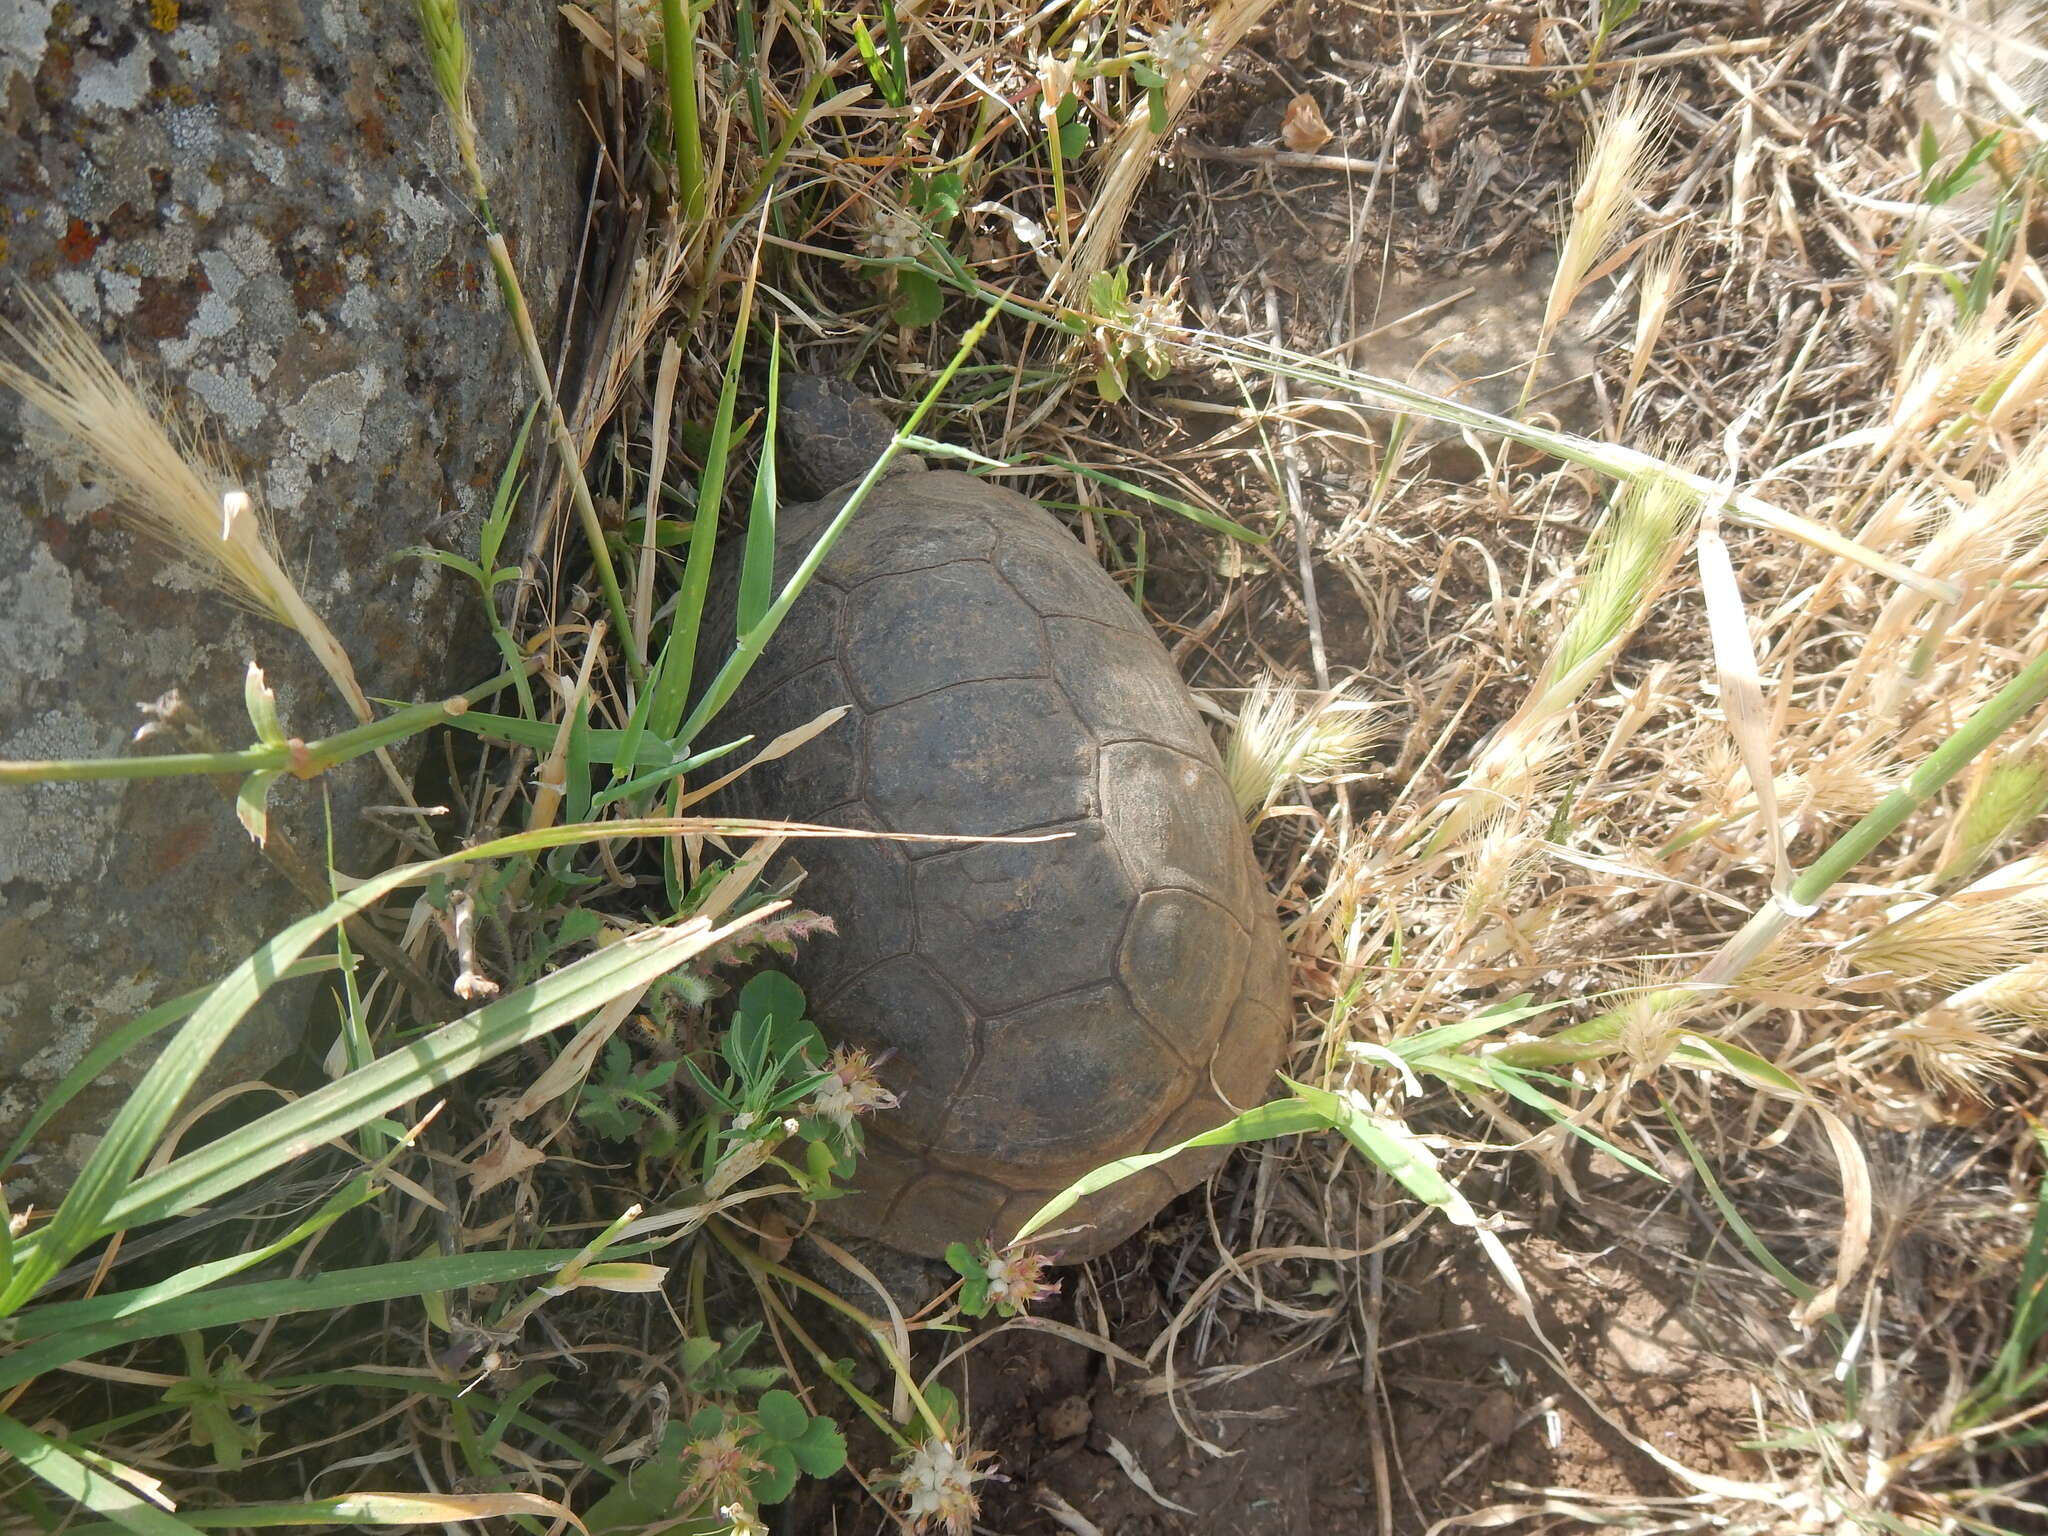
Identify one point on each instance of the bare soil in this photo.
(1462, 1398)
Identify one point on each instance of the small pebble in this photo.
(1065, 1419)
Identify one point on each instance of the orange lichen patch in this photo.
(79, 242)
(163, 15)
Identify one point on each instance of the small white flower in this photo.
(1016, 1280)
(894, 235)
(1178, 48)
(1155, 327)
(850, 1088)
(938, 1483)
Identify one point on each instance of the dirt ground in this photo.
(1279, 1422)
(1463, 1405)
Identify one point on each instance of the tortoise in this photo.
(1039, 1007)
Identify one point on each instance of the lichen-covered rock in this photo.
(257, 201)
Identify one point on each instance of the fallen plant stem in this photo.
(1970, 740)
(301, 759)
(1600, 1036)
(759, 1271)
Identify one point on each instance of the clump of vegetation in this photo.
(1700, 862)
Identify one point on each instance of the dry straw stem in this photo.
(448, 50)
(1742, 693)
(169, 488)
(1623, 144)
(1128, 158)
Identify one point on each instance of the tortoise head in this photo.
(827, 433)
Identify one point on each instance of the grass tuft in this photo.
(1282, 737)
(167, 482)
(1624, 142)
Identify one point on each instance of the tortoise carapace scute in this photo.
(1048, 1006)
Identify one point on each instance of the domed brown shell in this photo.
(1048, 1006)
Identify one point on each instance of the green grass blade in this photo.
(2006, 1381)
(141, 1122)
(400, 1076)
(755, 640)
(899, 64)
(1716, 1055)
(576, 766)
(757, 568)
(125, 1039)
(1742, 1229)
(101, 1199)
(752, 68)
(1390, 1145)
(679, 654)
(1282, 1117)
(655, 778)
(489, 541)
(227, 1305)
(60, 1317)
(1215, 522)
(1516, 1085)
(77, 1479)
(1449, 1037)
(679, 54)
(633, 743)
(646, 753)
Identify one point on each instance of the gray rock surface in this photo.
(257, 200)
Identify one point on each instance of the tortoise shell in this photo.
(1044, 1007)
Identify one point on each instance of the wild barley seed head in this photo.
(169, 487)
(2010, 794)
(1651, 1019)
(1956, 1055)
(1840, 786)
(1632, 548)
(1999, 923)
(1623, 142)
(1280, 737)
(1495, 868)
(2020, 994)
